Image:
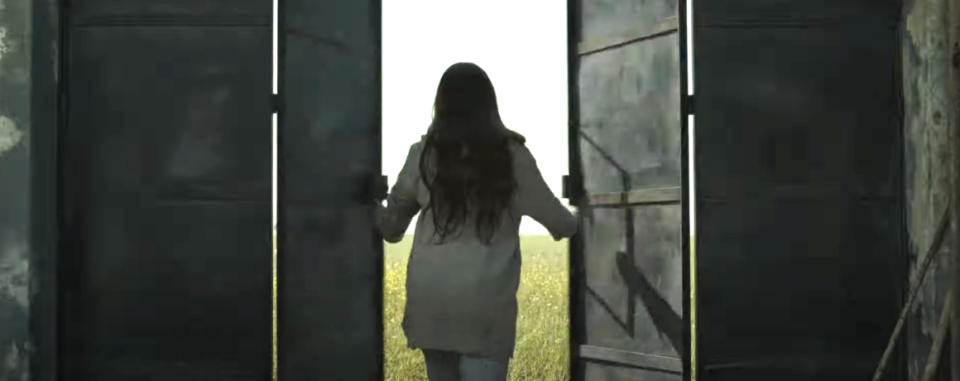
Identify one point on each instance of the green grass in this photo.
(542, 322)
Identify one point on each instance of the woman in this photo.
(474, 179)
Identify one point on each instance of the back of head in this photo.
(471, 176)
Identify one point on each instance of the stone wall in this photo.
(15, 43)
(927, 155)
(15, 33)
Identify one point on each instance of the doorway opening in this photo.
(523, 48)
(526, 54)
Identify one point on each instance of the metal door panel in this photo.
(331, 98)
(612, 320)
(795, 13)
(332, 146)
(331, 334)
(597, 371)
(156, 297)
(627, 266)
(201, 143)
(629, 117)
(330, 258)
(605, 18)
(773, 96)
(800, 253)
(775, 242)
(165, 199)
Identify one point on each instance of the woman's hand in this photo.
(380, 189)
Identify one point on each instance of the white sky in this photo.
(520, 44)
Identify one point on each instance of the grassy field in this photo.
(542, 324)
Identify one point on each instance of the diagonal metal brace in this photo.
(936, 348)
(915, 284)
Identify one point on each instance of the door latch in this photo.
(370, 188)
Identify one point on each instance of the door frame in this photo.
(688, 357)
(47, 107)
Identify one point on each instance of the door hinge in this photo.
(275, 103)
(687, 104)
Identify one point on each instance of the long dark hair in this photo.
(469, 147)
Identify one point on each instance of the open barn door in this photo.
(800, 254)
(165, 190)
(627, 263)
(330, 257)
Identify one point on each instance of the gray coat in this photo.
(461, 294)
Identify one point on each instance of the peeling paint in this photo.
(14, 270)
(10, 136)
(13, 363)
(15, 276)
(4, 46)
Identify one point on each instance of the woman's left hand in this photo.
(380, 190)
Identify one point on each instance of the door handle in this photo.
(371, 188)
(379, 188)
(571, 188)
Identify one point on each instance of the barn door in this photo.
(330, 257)
(165, 190)
(626, 264)
(800, 252)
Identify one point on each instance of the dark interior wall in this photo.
(14, 188)
(927, 156)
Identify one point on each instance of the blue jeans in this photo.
(452, 366)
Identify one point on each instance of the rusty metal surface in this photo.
(165, 252)
(330, 257)
(632, 291)
(630, 116)
(631, 279)
(627, 277)
(607, 18)
(800, 95)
